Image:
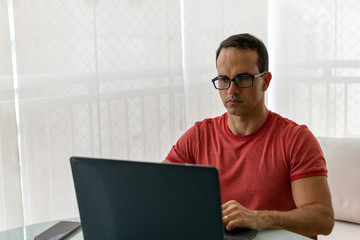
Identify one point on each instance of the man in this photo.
(272, 171)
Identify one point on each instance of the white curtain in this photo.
(95, 78)
(206, 24)
(11, 213)
(124, 79)
(315, 56)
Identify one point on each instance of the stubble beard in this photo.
(236, 109)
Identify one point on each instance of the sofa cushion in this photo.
(343, 230)
(343, 161)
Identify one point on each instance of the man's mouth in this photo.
(233, 99)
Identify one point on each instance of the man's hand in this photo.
(237, 216)
(312, 216)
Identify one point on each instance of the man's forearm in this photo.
(309, 220)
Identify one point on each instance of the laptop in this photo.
(121, 199)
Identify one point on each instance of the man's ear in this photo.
(267, 78)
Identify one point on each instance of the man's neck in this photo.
(247, 123)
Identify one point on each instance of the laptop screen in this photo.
(120, 199)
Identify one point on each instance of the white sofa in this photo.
(343, 161)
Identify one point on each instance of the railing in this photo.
(321, 94)
(89, 115)
(141, 123)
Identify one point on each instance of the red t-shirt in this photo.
(256, 169)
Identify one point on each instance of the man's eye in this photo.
(243, 78)
(223, 80)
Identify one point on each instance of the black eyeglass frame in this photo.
(239, 76)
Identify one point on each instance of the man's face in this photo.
(240, 101)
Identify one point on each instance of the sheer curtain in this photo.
(315, 56)
(96, 78)
(124, 79)
(108, 79)
(206, 24)
(10, 180)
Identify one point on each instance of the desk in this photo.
(29, 232)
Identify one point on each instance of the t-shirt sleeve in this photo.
(183, 150)
(307, 158)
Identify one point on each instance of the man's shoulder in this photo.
(206, 127)
(215, 121)
(289, 127)
(278, 119)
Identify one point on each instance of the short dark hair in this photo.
(247, 42)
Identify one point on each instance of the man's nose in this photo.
(233, 88)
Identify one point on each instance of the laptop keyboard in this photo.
(233, 238)
(240, 234)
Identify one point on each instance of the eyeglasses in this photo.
(241, 81)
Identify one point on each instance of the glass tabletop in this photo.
(29, 232)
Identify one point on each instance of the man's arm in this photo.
(313, 216)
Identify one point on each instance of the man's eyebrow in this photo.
(237, 75)
(222, 76)
(243, 73)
